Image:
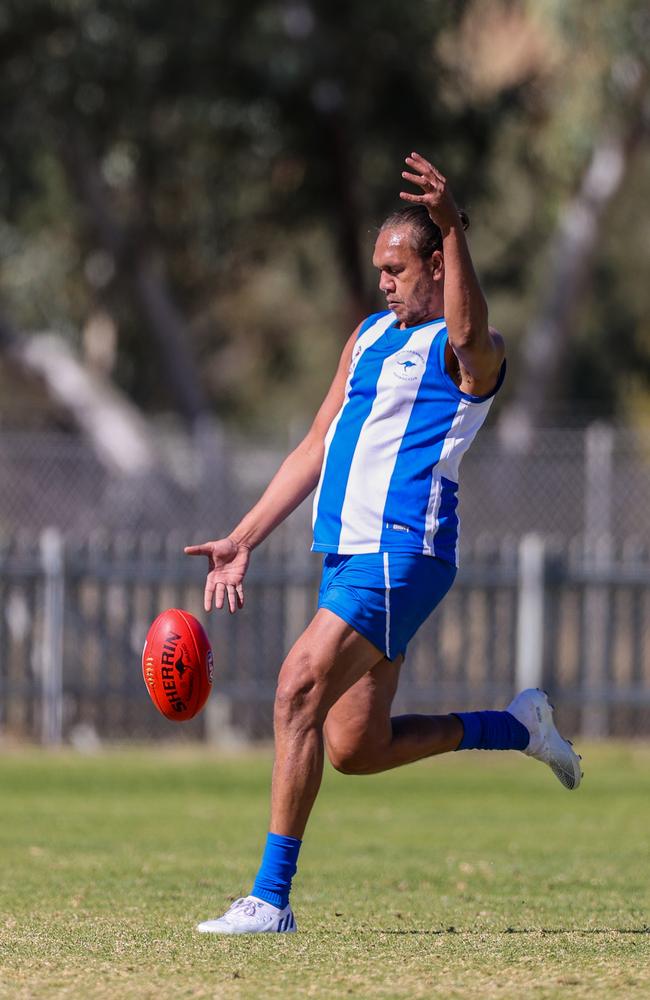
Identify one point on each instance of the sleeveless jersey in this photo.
(389, 480)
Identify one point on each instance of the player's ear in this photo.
(437, 265)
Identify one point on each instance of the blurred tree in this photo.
(158, 160)
(595, 130)
(207, 174)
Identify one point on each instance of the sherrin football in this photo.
(177, 664)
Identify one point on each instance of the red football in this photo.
(177, 664)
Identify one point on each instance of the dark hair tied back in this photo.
(426, 236)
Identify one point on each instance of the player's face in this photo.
(411, 284)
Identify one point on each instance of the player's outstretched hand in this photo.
(228, 562)
(436, 194)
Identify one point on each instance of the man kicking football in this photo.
(413, 387)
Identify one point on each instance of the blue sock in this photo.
(492, 731)
(279, 863)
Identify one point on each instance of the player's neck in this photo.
(428, 317)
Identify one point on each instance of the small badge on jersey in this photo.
(391, 526)
(356, 354)
(408, 365)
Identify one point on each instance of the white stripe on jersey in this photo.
(469, 417)
(387, 586)
(366, 340)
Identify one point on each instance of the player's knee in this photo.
(348, 758)
(300, 694)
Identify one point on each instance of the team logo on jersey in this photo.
(408, 365)
(356, 354)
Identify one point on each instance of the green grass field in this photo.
(469, 876)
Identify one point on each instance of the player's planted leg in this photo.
(327, 659)
(251, 916)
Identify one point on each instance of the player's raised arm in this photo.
(479, 349)
(295, 479)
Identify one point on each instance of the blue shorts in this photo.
(384, 596)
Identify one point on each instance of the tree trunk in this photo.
(115, 428)
(138, 266)
(571, 255)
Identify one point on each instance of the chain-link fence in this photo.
(570, 482)
(554, 589)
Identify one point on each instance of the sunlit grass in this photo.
(473, 876)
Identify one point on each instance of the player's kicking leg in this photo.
(533, 709)
(362, 738)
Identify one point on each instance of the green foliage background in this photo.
(249, 149)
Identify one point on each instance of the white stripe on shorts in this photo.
(387, 586)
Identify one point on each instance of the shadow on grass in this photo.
(520, 930)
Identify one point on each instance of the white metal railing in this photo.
(573, 620)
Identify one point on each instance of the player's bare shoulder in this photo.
(485, 376)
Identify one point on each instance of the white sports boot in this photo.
(533, 710)
(250, 915)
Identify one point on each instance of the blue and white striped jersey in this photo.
(389, 481)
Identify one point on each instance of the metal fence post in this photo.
(595, 713)
(52, 563)
(530, 612)
(599, 454)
